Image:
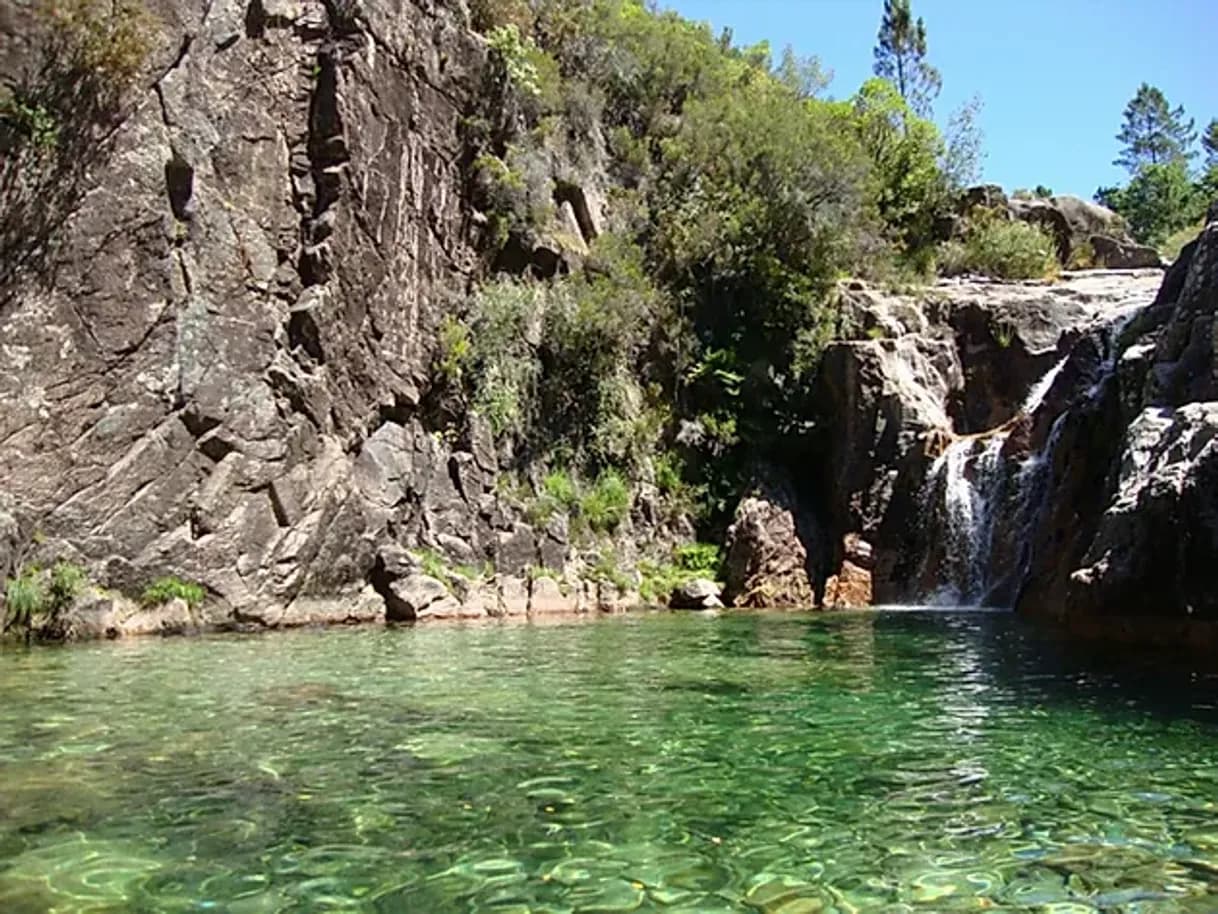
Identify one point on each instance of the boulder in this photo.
(1073, 223)
(850, 587)
(772, 548)
(699, 593)
(546, 597)
(103, 614)
(516, 549)
(408, 599)
(1120, 254)
(513, 594)
(613, 599)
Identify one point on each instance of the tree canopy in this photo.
(1154, 133)
(900, 57)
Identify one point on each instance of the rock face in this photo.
(772, 549)
(1155, 547)
(234, 339)
(1138, 462)
(1087, 494)
(223, 368)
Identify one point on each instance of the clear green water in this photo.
(782, 764)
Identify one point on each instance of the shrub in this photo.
(491, 14)
(455, 349)
(67, 581)
(561, 488)
(472, 572)
(951, 258)
(25, 598)
(701, 559)
(607, 504)
(1175, 242)
(691, 561)
(606, 570)
(162, 590)
(56, 124)
(1082, 256)
(512, 51)
(1013, 250)
(505, 364)
(1001, 249)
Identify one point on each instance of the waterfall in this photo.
(981, 505)
(966, 479)
(968, 488)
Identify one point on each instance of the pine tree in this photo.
(1209, 142)
(1154, 133)
(900, 57)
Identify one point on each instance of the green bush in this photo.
(455, 349)
(1174, 243)
(513, 52)
(25, 598)
(67, 581)
(559, 486)
(701, 559)
(689, 562)
(433, 564)
(607, 570)
(504, 363)
(1001, 249)
(162, 590)
(952, 258)
(607, 504)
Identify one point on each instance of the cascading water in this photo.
(976, 487)
(967, 488)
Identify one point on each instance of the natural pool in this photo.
(779, 763)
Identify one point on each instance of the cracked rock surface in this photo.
(220, 375)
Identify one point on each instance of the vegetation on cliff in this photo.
(58, 120)
(679, 337)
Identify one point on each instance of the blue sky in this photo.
(1053, 75)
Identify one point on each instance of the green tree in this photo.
(900, 57)
(1160, 200)
(909, 187)
(1154, 133)
(1207, 187)
(1209, 143)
